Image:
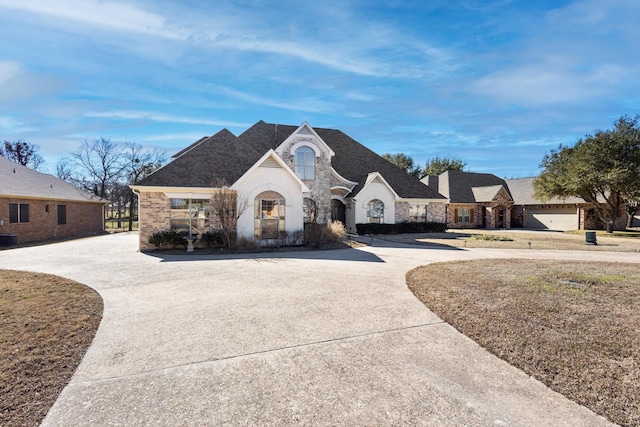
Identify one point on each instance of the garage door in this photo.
(552, 219)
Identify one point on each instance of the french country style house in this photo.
(279, 173)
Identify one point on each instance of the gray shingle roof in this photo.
(18, 181)
(225, 156)
(460, 185)
(522, 193)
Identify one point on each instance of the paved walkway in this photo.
(322, 338)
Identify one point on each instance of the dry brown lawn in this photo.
(46, 326)
(519, 239)
(572, 325)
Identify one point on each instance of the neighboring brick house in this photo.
(279, 171)
(35, 206)
(481, 200)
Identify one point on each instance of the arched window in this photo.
(305, 163)
(269, 215)
(375, 212)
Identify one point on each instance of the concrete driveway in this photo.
(322, 338)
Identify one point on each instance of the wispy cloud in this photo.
(114, 15)
(161, 118)
(11, 125)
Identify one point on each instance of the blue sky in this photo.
(494, 83)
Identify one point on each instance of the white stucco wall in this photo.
(270, 179)
(375, 190)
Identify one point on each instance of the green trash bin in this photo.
(590, 237)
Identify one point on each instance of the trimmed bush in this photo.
(401, 228)
(169, 238)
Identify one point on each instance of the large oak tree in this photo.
(603, 169)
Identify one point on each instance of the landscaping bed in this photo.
(572, 325)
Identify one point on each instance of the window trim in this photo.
(192, 215)
(379, 215)
(305, 168)
(279, 206)
(464, 215)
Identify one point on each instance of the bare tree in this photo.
(64, 170)
(226, 208)
(97, 166)
(139, 162)
(22, 152)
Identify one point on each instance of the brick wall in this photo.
(436, 212)
(452, 216)
(402, 211)
(82, 219)
(154, 210)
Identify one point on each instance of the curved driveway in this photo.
(322, 338)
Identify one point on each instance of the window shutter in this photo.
(472, 216)
(455, 214)
(24, 212)
(13, 213)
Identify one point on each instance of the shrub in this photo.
(213, 238)
(245, 244)
(334, 231)
(316, 234)
(170, 238)
(401, 228)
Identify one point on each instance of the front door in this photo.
(337, 211)
(500, 218)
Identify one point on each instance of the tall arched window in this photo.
(305, 163)
(375, 212)
(269, 215)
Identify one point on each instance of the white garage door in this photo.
(553, 219)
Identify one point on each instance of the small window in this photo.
(375, 212)
(18, 212)
(464, 215)
(62, 214)
(418, 213)
(305, 163)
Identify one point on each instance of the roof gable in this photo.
(458, 186)
(490, 193)
(307, 132)
(270, 161)
(376, 178)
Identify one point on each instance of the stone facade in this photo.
(81, 219)
(320, 187)
(436, 212)
(415, 211)
(403, 209)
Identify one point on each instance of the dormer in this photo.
(304, 151)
